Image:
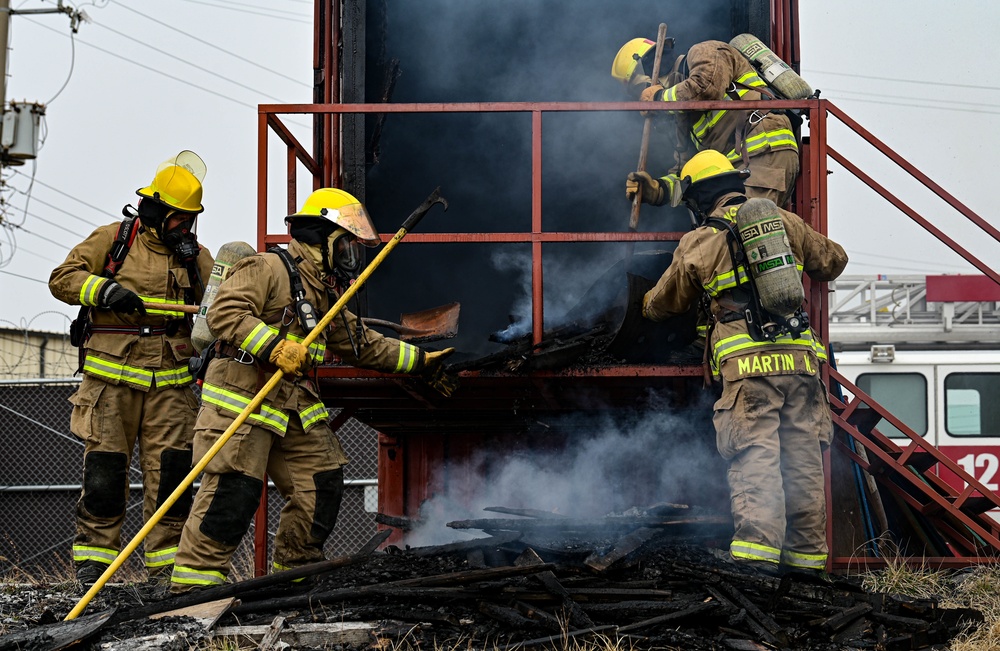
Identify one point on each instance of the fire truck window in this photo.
(970, 404)
(904, 395)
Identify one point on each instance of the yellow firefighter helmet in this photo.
(627, 60)
(341, 208)
(175, 186)
(707, 164)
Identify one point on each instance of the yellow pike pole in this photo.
(255, 403)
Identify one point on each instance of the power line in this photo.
(51, 223)
(193, 65)
(151, 69)
(213, 45)
(41, 237)
(72, 65)
(245, 5)
(936, 108)
(34, 280)
(922, 82)
(917, 99)
(54, 207)
(65, 194)
(247, 11)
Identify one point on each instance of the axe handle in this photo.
(187, 309)
(661, 37)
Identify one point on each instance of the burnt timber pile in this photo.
(649, 579)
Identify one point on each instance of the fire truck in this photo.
(925, 348)
(510, 110)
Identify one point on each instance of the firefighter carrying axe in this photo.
(633, 222)
(256, 402)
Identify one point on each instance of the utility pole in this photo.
(4, 31)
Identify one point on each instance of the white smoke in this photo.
(604, 467)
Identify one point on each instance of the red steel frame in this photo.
(811, 194)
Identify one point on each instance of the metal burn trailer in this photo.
(567, 401)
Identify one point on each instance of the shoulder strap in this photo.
(127, 231)
(304, 310)
(298, 290)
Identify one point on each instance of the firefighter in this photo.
(259, 323)
(762, 141)
(773, 414)
(136, 384)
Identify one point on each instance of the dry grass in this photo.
(975, 587)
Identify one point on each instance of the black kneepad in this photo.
(174, 467)
(231, 511)
(329, 493)
(105, 476)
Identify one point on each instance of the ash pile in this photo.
(646, 579)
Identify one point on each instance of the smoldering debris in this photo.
(509, 591)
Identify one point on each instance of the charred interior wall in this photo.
(512, 51)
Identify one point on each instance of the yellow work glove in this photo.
(651, 189)
(290, 357)
(434, 374)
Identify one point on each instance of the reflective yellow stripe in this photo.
(258, 339)
(743, 342)
(261, 337)
(135, 375)
(312, 415)
(91, 290)
(278, 567)
(754, 551)
(709, 119)
(808, 561)
(191, 576)
(160, 557)
(100, 554)
(769, 139)
(235, 403)
(408, 357)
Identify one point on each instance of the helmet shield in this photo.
(190, 161)
(354, 219)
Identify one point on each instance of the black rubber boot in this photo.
(88, 572)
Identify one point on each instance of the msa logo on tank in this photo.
(755, 238)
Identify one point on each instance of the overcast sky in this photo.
(146, 79)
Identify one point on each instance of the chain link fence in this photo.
(41, 466)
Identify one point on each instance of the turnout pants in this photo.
(305, 467)
(110, 419)
(770, 430)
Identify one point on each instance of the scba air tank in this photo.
(229, 254)
(769, 257)
(778, 74)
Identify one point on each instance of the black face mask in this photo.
(701, 198)
(182, 241)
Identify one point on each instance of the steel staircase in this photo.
(959, 523)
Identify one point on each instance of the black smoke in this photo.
(510, 51)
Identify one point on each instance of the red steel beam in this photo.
(530, 107)
(927, 226)
(537, 302)
(914, 172)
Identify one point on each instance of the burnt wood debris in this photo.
(651, 579)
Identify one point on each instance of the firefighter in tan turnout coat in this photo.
(136, 382)
(258, 327)
(762, 141)
(773, 415)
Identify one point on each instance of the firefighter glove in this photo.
(118, 299)
(652, 94)
(290, 357)
(434, 374)
(652, 190)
